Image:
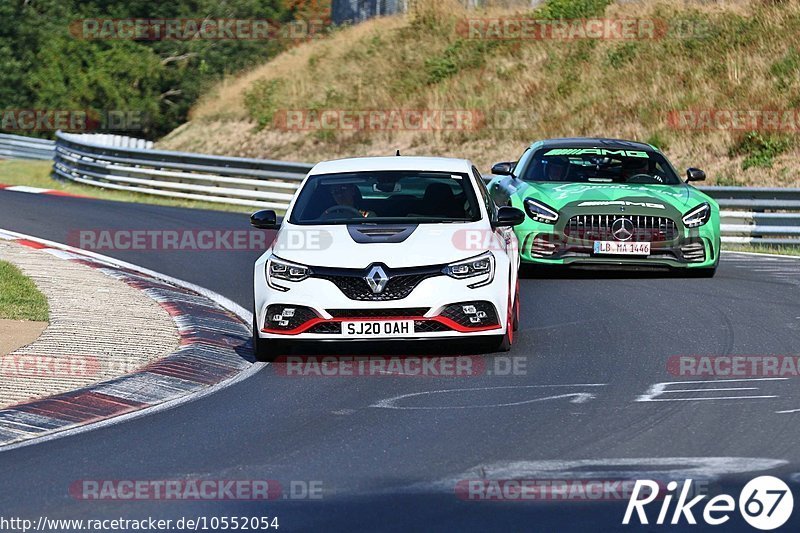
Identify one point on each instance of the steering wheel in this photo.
(337, 211)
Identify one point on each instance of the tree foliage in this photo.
(46, 64)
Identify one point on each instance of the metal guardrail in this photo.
(19, 147)
(112, 162)
(758, 215)
(750, 215)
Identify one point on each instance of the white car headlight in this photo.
(697, 216)
(480, 265)
(540, 211)
(279, 269)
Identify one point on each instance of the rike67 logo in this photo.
(765, 503)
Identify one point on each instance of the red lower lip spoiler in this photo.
(440, 319)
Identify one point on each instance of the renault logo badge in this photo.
(377, 279)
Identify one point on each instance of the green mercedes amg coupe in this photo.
(608, 201)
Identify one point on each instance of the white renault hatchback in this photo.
(388, 248)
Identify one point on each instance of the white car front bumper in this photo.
(319, 307)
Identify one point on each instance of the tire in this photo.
(502, 343)
(703, 272)
(516, 308)
(266, 350)
(540, 271)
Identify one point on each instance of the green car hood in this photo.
(679, 197)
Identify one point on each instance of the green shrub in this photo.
(658, 140)
(759, 150)
(261, 102)
(786, 70)
(622, 54)
(724, 180)
(460, 55)
(573, 9)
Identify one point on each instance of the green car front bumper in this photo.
(561, 244)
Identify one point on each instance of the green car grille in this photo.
(603, 227)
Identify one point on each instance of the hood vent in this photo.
(384, 233)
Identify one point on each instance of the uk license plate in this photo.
(378, 329)
(621, 248)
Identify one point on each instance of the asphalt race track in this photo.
(388, 449)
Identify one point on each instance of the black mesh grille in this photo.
(600, 227)
(329, 328)
(429, 326)
(400, 284)
(357, 289)
(377, 313)
(483, 311)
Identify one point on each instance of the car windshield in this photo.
(385, 197)
(600, 165)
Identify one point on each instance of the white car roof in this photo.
(366, 164)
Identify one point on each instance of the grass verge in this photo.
(762, 249)
(19, 297)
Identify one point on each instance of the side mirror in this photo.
(509, 216)
(264, 220)
(695, 174)
(503, 169)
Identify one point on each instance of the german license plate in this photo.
(378, 329)
(621, 248)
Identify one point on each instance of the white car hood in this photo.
(333, 246)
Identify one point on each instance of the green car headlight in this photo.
(540, 212)
(697, 216)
